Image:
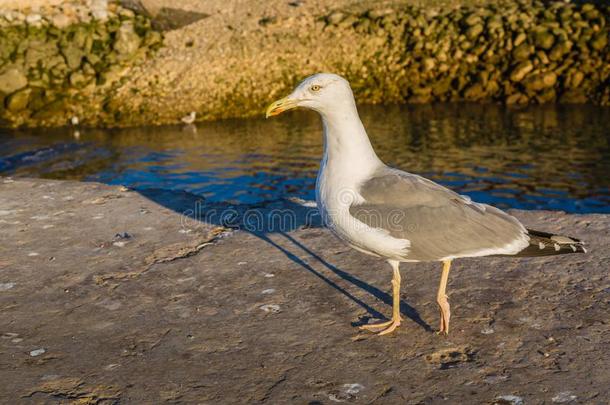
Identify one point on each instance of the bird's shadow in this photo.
(276, 218)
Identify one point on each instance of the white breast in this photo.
(334, 196)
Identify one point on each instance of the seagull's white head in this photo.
(322, 92)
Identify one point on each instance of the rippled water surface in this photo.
(554, 157)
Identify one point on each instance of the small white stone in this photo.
(60, 21)
(37, 352)
(269, 275)
(557, 247)
(17, 340)
(6, 286)
(33, 18)
(513, 399)
(242, 263)
(185, 230)
(149, 228)
(74, 120)
(100, 216)
(271, 308)
(268, 291)
(48, 226)
(119, 244)
(353, 389)
(487, 330)
(32, 254)
(563, 397)
(101, 15)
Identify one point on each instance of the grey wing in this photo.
(439, 223)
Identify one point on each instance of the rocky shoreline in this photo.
(111, 75)
(58, 57)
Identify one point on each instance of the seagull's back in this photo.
(438, 223)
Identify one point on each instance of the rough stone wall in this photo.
(501, 51)
(515, 53)
(53, 60)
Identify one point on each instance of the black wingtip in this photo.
(548, 244)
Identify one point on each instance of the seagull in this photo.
(189, 118)
(400, 216)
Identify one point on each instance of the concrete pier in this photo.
(109, 295)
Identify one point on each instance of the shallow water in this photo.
(542, 157)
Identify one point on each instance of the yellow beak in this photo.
(281, 105)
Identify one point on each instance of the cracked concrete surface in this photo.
(224, 315)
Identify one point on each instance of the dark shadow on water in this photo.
(192, 208)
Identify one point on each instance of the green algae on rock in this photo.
(47, 71)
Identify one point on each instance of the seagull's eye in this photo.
(315, 87)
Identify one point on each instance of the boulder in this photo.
(73, 55)
(544, 39)
(549, 79)
(559, 50)
(522, 52)
(474, 92)
(40, 51)
(546, 96)
(171, 18)
(472, 19)
(575, 78)
(473, 32)
(12, 79)
(127, 40)
(600, 41)
(78, 79)
(573, 97)
(60, 20)
(521, 70)
(18, 101)
(519, 39)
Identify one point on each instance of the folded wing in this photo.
(439, 223)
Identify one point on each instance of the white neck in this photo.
(347, 148)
